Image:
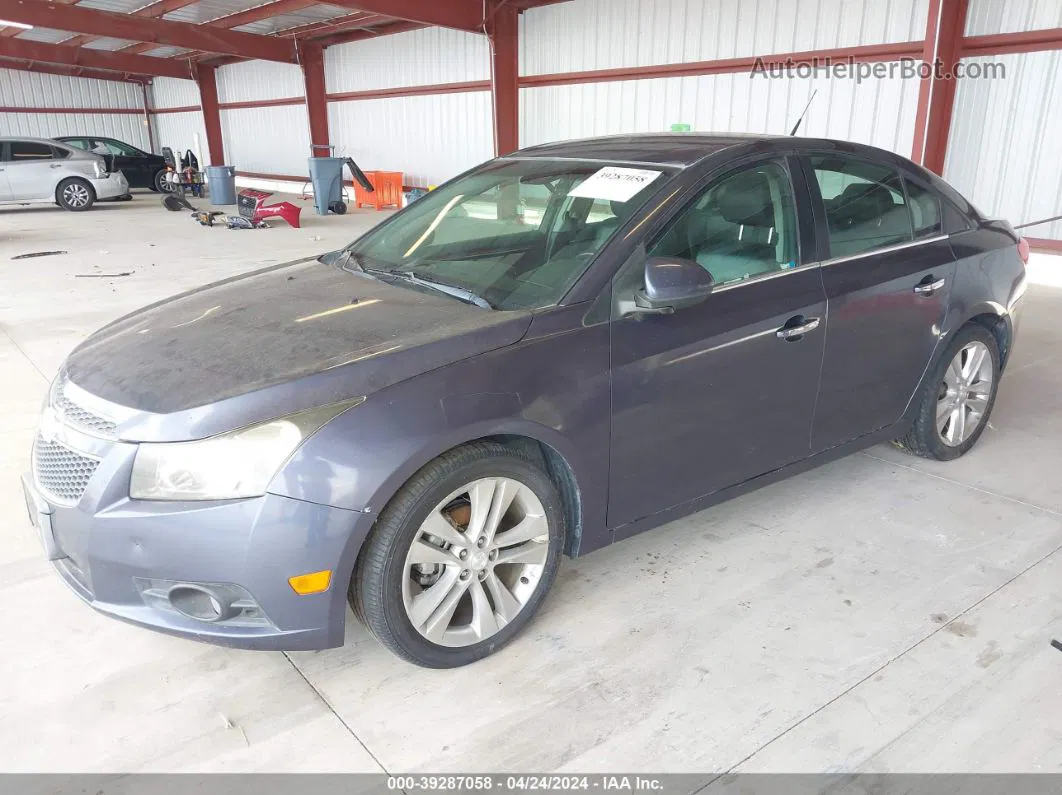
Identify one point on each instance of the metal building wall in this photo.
(35, 90)
(429, 137)
(985, 17)
(179, 131)
(589, 35)
(274, 140)
(607, 34)
(1004, 152)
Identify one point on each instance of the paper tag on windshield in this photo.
(614, 183)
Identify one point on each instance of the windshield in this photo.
(515, 233)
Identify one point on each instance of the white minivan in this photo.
(40, 171)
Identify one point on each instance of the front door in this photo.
(723, 391)
(127, 159)
(30, 170)
(888, 282)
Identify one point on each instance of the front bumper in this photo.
(112, 186)
(105, 549)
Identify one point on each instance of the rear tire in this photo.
(76, 195)
(158, 182)
(419, 543)
(957, 398)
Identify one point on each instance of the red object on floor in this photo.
(388, 193)
(252, 206)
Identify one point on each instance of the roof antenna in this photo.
(802, 115)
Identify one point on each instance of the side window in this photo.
(23, 151)
(864, 202)
(742, 226)
(118, 148)
(925, 210)
(60, 153)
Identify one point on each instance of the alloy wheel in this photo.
(75, 195)
(964, 393)
(475, 562)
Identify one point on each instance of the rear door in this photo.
(31, 170)
(888, 280)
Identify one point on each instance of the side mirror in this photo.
(672, 283)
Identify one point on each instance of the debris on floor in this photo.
(34, 254)
(103, 275)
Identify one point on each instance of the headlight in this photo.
(236, 464)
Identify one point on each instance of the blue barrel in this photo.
(326, 176)
(222, 183)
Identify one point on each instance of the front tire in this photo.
(158, 182)
(462, 557)
(76, 195)
(957, 398)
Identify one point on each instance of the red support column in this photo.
(505, 66)
(313, 75)
(205, 76)
(936, 96)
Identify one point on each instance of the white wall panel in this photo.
(429, 138)
(123, 126)
(877, 111)
(1004, 152)
(607, 34)
(182, 131)
(419, 57)
(256, 80)
(274, 140)
(169, 92)
(1013, 16)
(38, 90)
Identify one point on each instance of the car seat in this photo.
(737, 233)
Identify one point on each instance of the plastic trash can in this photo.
(326, 176)
(222, 183)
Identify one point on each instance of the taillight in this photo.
(1023, 250)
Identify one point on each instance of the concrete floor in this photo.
(882, 613)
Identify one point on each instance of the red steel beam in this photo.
(313, 73)
(942, 85)
(459, 14)
(360, 35)
(94, 59)
(1004, 43)
(505, 75)
(355, 21)
(69, 71)
(48, 14)
(153, 10)
(206, 77)
(925, 88)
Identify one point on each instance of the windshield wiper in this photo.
(460, 293)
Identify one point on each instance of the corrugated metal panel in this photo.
(50, 35)
(418, 57)
(206, 10)
(607, 34)
(255, 80)
(271, 140)
(395, 134)
(123, 126)
(1003, 153)
(182, 131)
(39, 90)
(306, 16)
(1013, 16)
(166, 52)
(168, 92)
(117, 6)
(878, 112)
(108, 44)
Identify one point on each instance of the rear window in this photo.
(925, 210)
(864, 202)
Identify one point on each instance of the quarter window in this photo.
(864, 202)
(22, 151)
(740, 227)
(925, 210)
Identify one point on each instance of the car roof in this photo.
(29, 138)
(672, 149)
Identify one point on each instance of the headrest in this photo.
(746, 199)
(862, 202)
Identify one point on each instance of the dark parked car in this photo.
(554, 351)
(142, 169)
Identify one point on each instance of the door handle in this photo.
(928, 288)
(56, 165)
(796, 332)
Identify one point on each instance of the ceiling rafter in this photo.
(39, 51)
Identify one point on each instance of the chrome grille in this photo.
(61, 473)
(80, 417)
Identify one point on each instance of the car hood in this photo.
(275, 341)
